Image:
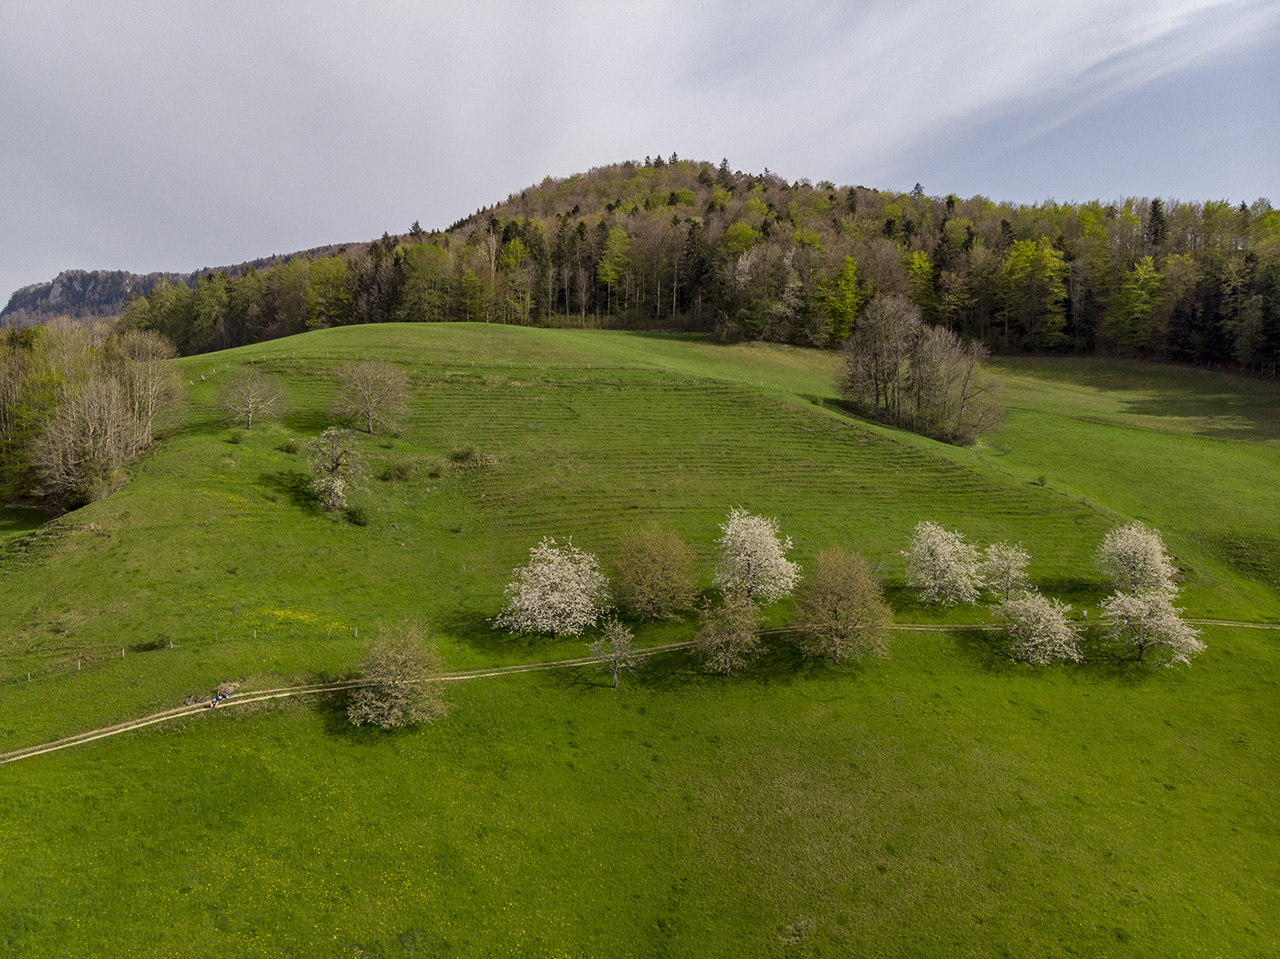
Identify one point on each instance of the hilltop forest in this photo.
(680, 244)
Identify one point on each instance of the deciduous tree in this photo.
(1040, 629)
(336, 464)
(1004, 568)
(614, 650)
(402, 685)
(251, 393)
(840, 609)
(1149, 622)
(942, 566)
(655, 576)
(373, 393)
(728, 638)
(1133, 557)
(560, 591)
(751, 558)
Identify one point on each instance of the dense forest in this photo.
(680, 244)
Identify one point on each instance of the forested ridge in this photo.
(681, 244)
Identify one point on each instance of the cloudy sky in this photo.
(177, 135)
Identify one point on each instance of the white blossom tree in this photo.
(1040, 629)
(337, 465)
(614, 650)
(942, 566)
(1133, 557)
(560, 591)
(751, 558)
(1149, 622)
(1004, 568)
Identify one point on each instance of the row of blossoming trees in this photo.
(562, 591)
(1139, 613)
(840, 608)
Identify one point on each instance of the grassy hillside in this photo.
(943, 802)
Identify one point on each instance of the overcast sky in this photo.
(173, 136)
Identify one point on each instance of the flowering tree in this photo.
(336, 464)
(840, 608)
(401, 681)
(1040, 630)
(942, 566)
(751, 558)
(1134, 558)
(614, 651)
(727, 639)
(1149, 621)
(1004, 567)
(560, 591)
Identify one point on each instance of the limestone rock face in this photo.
(80, 293)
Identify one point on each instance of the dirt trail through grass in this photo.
(284, 692)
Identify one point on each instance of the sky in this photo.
(173, 136)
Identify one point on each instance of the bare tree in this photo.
(402, 685)
(337, 465)
(614, 650)
(728, 638)
(840, 609)
(149, 377)
(250, 393)
(654, 575)
(81, 453)
(376, 393)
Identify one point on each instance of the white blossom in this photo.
(1134, 559)
(1040, 630)
(1149, 621)
(1004, 568)
(560, 591)
(942, 566)
(751, 558)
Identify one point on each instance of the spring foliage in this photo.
(751, 558)
(402, 686)
(1133, 557)
(728, 638)
(654, 575)
(1150, 623)
(840, 609)
(560, 591)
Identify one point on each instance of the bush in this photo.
(289, 446)
(358, 516)
(237, 437)
(396, 472)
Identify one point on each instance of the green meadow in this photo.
(942, 802)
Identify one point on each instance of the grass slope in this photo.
(944, 802)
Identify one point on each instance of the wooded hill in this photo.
(682, 244)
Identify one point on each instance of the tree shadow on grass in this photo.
(296, 486)
(472, 628)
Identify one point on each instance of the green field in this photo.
(943, 802)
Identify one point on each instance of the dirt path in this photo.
(285, 692)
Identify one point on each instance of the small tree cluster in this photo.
(1141, 609)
